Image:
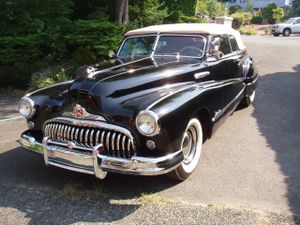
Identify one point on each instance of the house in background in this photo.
(258, 4)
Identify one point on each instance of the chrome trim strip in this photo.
(201, 75)
(81, 135)
(107, 140)
(86, 137)
(254, 81)
(72, 133)
(92, 138)
(76, 134)
(113, 143)
(97, 138)
(102, 137)
(221, 111)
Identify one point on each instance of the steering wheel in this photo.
(193, 51)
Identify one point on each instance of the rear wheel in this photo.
(286, 32)
(191, 147)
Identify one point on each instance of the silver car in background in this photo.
(291, 26)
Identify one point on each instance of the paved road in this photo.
(252, 162)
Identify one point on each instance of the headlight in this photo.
(26, 107)
(147, 123)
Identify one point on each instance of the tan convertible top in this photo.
(189, 28)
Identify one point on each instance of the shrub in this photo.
(93, 38)
(240, 19)
(235, 8)
(277, 14)
(257, 20)
(48, 77)
(247, 31)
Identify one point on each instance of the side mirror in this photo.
(111, 54)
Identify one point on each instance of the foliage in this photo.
(212, 8)
(247, 31)
(277, 14)
(179, 17)
(188, 8)
(48, 77)
(296, 8)
(240, 19)
(257, 20)
(267, 12)
(147, 12)
(93, 39)
(235, 8)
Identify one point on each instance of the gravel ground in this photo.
(26, 205)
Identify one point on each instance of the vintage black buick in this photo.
(148, 110)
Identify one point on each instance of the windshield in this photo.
(188, 46)
(137, 47)
(289, 21)
(167, 45)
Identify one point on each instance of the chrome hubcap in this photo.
(189, 145)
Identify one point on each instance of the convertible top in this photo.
(189, 28)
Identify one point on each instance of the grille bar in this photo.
(115, 142)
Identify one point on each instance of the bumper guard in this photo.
(91, 162)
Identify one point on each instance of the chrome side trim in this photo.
(201, 75)
(221, 111)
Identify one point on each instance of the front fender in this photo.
(177, 109)
(49, 102)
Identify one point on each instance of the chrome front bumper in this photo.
(97, 164)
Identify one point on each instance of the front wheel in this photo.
(276, 34)
(191, 148)
(286, 32)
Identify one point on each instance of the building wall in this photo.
(259, 3)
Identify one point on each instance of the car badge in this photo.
(79, 111)
(70, 145)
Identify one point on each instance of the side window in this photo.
(225, 45)
(297, 21)
(234, 45)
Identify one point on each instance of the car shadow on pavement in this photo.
(277, 110)
(50, 195)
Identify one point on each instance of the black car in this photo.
(148, 110)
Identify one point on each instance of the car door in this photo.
(296, 26)
(230, 76)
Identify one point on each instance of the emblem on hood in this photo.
(79, 111)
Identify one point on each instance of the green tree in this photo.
(267, 12)
(147, 12)
(212, 8)
(186, 7)
(296, 8)
(277, 14)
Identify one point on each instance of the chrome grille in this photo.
(116, 140)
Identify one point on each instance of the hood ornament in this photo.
(79, 111)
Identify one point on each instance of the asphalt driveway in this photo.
(249, 170)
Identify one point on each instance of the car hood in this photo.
(115, 88)
(281, 24)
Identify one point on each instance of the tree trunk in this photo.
(122, 16)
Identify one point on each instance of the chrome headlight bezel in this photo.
(141, 123)
(26, 107)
